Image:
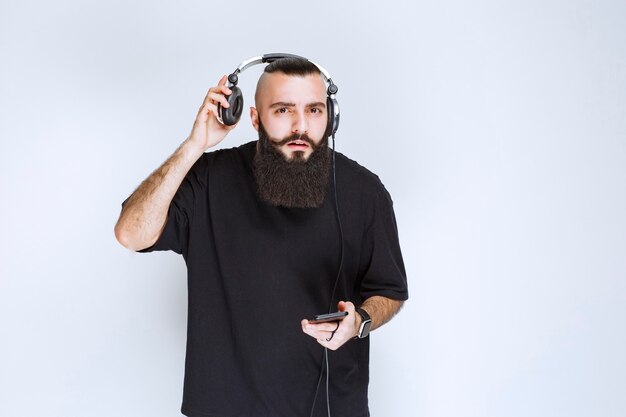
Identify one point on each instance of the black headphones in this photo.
(231, 115)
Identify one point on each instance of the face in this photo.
(293, 112)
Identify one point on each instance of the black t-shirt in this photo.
(255, 271)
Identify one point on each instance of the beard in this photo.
(294, 183)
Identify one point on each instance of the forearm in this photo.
(381, 310)
(144, 215)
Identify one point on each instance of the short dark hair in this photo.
(293, 66)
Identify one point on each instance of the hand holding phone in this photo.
(325, 318)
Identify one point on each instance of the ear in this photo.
(254, 116)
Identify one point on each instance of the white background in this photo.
(499, 128)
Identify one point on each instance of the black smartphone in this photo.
(323, 318)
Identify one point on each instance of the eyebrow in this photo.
(287, 104)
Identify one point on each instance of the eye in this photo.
(282, 110)
(316, 110)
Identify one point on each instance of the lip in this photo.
(298, 144)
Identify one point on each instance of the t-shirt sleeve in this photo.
(175, 235)
(381, 262)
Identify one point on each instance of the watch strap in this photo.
(366, 323)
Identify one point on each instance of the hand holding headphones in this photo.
(207, 130)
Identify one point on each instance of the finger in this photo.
(322, 335)
(345, 306)
(308, 329)
(222, 89)
(322, 331)
(313, 331)
(216, 97)
(205, 113)
(208, 108)
(222, 80)
(212, 96)
(328, 327)
(219, 90)
(215, 112)
(332, 344)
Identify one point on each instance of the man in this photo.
(258, 229)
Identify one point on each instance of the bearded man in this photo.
(257, 226)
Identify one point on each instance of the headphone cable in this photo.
(332, 296)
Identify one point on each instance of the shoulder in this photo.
(222, 163)
(239, 153)
(354, 177)
(225, 159)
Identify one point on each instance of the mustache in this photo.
(296, 136)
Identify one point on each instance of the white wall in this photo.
(498, 127)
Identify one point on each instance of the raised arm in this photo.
(143, 217)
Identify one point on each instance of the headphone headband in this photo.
(231, 116)
(269, 58)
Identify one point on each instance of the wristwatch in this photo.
(366, 324)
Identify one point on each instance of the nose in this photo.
(300, 123)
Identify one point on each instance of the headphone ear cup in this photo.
(333, 116)
(232, 114)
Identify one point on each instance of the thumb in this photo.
(345, 306)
